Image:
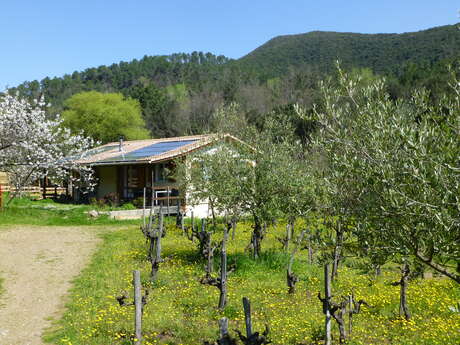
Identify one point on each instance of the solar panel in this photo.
(151, 150)
(98, 150)
(91, 152)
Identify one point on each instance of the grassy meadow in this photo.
(49, 213)
(180, 310)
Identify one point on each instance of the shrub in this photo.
(138, 202)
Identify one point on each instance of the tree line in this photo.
(179, 93)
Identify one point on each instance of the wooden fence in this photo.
(36, 191)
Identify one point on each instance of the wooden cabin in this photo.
(123, 169)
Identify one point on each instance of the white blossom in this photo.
(32, 146)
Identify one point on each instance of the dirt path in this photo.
(38, 264)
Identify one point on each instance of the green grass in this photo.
(49, 213)
(182, 311)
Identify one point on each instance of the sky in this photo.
(56, 37)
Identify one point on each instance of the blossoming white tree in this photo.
(32, 146)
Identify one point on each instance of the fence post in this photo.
(44, 186)
(192, 221)
(1, 197)
(137, 307)
(327, 311)
(167, 194)
(247, 316)
(143, 207)
(350, 314)
(223, 271)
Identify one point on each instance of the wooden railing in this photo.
(162, 195)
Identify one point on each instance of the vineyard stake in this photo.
(137, 308)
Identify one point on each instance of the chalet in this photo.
(123, 169)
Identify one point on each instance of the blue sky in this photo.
(51, 37)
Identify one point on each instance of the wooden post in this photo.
(178, 215)
(223, 271)
(247, 316)
(192, 221)
(44, 186)
(137, 308)
(143, 208)
(182, 216)
(153, 194)
(151, 213)
(327, 309)
(350, 313)
(1, 197)
(167, 196)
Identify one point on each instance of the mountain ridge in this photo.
(358, 49)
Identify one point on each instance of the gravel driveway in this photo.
(38, 265)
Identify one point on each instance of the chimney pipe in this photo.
(120, 146)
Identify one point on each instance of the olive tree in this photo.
(260, 177)
(399, 167)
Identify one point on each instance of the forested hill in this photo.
(161, 71)
(383, 53)
(180, 92)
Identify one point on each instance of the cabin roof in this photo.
(149, 151)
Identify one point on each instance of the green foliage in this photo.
(138, 202)
(104, 117)
(178, 92)
(156, 110)
(382, 53)
(392, 167)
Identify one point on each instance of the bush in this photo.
(138, 202)
(97, 203)
(128, 206)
